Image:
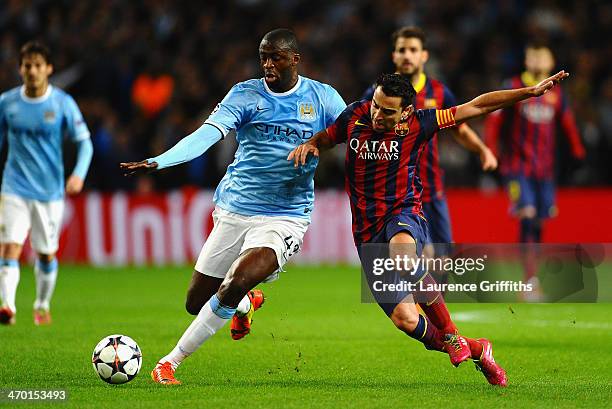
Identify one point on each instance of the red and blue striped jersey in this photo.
(431, 93)
(527, 131)
(381, 167)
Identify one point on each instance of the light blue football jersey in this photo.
(269, 125)
(35, 128)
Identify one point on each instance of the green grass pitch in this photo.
(313, 344)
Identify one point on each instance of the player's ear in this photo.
(296, 59)
(425, 56)
(49, 69)
(409, 110)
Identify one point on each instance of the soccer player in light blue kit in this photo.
(263, 203)
(34, 119)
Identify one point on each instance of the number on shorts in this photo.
(292, 247)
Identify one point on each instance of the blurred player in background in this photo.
(34, 119)
(410, 54)
(527, 132)
(263, 204)
(385, 139)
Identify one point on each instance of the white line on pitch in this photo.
(486, 317)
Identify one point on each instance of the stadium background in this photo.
(146, 73)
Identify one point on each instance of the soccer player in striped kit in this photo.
(385, 138)
(526, 133)
(410, 54)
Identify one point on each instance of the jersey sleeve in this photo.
(230, 112)
(338, 131)
(568, 123)
(75, 124)
(449, 99)
(334, 105)
(432, 120)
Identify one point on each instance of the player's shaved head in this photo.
(282, 39)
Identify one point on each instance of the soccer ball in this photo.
(117, 359)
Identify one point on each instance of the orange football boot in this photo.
(164, 374)
(241, 325)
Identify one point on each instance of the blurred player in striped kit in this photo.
(34, 119)
(525, 136)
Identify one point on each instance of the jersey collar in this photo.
(420, 82)
(282, 94)
(36, 100)
(528, 79)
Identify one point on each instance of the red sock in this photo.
(475, 347)
(428, 334)
(436, 311)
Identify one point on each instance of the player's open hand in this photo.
(131, 168)
(488, 160)
(300, 154)
(549, 82)
(74, 185)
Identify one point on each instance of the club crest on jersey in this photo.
(402, 128)
(306, 111)
(49, 116)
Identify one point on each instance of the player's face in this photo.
(279, 65)
(385, 111)
(539, 61)
(409, 56)
(35, 71)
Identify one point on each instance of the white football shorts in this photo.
(233, 234)
(18, 216)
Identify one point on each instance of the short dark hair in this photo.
(409, 32)
(538, 44)
(397, 85)
(283, 38)
(34, 47)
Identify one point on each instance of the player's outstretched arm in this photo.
(188, 148)
(492, 101)
(318, 143)
(470, 140)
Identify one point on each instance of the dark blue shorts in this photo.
(525, 191)
(408, 222)
(438, 218)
